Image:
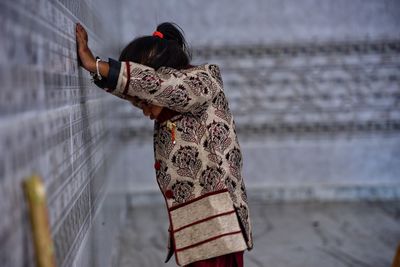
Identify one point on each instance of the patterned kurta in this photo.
(198, 160)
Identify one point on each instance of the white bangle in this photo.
(97, 68)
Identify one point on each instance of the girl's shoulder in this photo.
(192, 68)
(212, 70)
(204, 70)
(202, 67)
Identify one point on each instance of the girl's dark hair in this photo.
(153, 51)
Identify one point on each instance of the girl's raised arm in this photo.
(166, 87)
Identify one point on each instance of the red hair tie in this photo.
(158, 34)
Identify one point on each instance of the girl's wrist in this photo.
(88, 60)
(91, 65)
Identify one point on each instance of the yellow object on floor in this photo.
(38, 213)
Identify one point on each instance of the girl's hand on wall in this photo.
(85, 55)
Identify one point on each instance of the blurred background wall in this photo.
(313, 86)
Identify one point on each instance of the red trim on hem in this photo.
(203, 220)
(198, 198)
(171, 235)
(206, 241)
(171, 226)
(128, 74)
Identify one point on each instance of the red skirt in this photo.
(228, 260)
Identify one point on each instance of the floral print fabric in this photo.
(205, 156)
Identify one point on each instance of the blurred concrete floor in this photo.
(285, 235)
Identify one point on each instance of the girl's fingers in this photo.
(80, 38)
(80, 28)
(81, 33)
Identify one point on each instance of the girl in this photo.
(197, 155)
